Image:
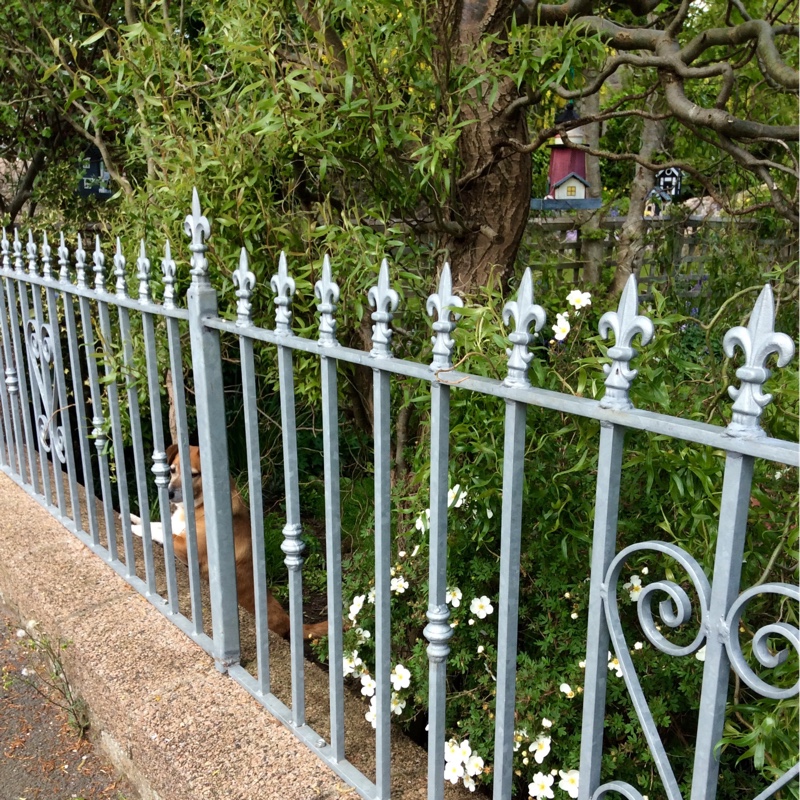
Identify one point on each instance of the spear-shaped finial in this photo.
(327, 292)
(524, 312)
(385, 301)
(244, 281)
(443, 303)
(198, 229)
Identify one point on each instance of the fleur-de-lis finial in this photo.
(169, 269)
(120, 262)
(327, 292)
(99, 266)
(626, 323)
(757, 341)
(143, 275)
(46, 251)
(19, 263)
(63, 260)
(31, 249)
(524, 311)
(80, 265)
(283, 286)
(385, 300)
(5, 249)
(443, 303)
(244, 281)
(197, 227)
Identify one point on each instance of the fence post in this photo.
(213, 440)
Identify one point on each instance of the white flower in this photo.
(480, 607)
(561, 328)
(464, 750)
(399, 585)
(540, 748)
(453, 771)
(700, 655)
(578, 299)
(567, 689)
(470, 621)
(541, 786)
(569, 782)
(21, 633)
(453, 596)
(480, 648)
(368, 685)
(582, 664)
(363, 635)
(415, 551)
(525, 761)
(371, 596)
(489, 513)
(519, 736)
(452, 751)
(423, 521)
(396, 704)
(400, 677)
(456, 496)
(638, 646)
(574, 615)
(645, 571)
(351, 662)
(356, 606)
(546, 723)
(469, 783)
(615, 666)
(567, 595)
(401, 554)
(372, 715)
(778, 476)
(474, 765)
(634, 587)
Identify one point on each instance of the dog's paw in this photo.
(157, 532)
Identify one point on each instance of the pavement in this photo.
(170, 722)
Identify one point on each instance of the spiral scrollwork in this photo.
(618, 787)
(41, 347)
(761, 650)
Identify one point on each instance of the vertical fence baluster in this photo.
(95, 391)
(18, 385)
(78, 386)
(160, 469)
(169, 269)
(438, 631)
(245, 282)
(213, 438)
(758, 341)
(626, 323)
(113, 407)
(36, 347)
(60, 379)
(10, 381)
(385, 301)
(327, 291)
(283, 286)
(524, 313)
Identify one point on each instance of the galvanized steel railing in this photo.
(36, 421)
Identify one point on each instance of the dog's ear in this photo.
(172, 451)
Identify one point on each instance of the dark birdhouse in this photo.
(96, 182)
(669, 181)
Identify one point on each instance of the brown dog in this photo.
(277, 617)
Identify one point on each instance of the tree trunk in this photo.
(631, 241)
(490, 204)
(592, 248)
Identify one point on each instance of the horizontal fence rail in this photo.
(69, 343)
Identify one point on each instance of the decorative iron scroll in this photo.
(40, 347)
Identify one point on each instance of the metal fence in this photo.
(54, 446)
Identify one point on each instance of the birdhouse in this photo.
(95, 180)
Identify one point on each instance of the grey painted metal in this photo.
(37, 347)
(283, 285)
(525, 313)
(689, 430)
(99, 435)
(60, 372)
(116, 420)
(213, 441)
(245, 282)
(169, 270)
(327, 292)
(438, 631)
(18, 386)
(385, 300)
(160, 468)
(717, 606)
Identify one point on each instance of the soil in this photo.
(43, 756)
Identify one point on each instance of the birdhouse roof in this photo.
(571, 175)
